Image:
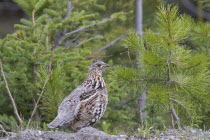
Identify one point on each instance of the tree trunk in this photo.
(139, 17)
(141, 106)
(139, 29)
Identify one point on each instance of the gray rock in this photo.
(87, 133)
(90, 133)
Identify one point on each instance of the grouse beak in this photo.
(106, 65)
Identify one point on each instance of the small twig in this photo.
(186, 66)
(40, 63)
(66, 35)
(68, 43)
(124, 103)
(194, 65)
(143, 79)
(129, 56)
(83, 42)
(33, 17)
(112, 43)
(10, 96)
(151, 79)
(85, 27)
(40, 95)
(95, 57)
(151, 64)
(181, 105)
(99, 28)
(174, 81)
(175, 116)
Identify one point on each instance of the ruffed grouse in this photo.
(86, 104)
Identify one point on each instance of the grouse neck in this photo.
(95, 78)
(94, 73)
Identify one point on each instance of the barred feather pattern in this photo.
(86, 104)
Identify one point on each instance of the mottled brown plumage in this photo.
(85, 105)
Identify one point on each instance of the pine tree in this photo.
(176, 78)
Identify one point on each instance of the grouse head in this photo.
(98, 65)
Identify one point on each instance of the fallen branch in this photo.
(3, 130)
(10, 96)
(112, 43)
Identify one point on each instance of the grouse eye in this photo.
(99, 65)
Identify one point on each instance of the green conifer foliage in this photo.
(121, 110)
(176, 78)
(53, 36)
(56, 90)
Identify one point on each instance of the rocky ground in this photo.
(186, 133)
(90, 133)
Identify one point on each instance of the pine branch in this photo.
(152, 64)
(194, 65)
(143, 79)
(112, 43)
(40, 95)
(176, 101)
(174, 81)
(62, 33)
(66, 35)
(68, 43)
(83, 42)
(85, 27)
(10, 96)
(36, 104)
